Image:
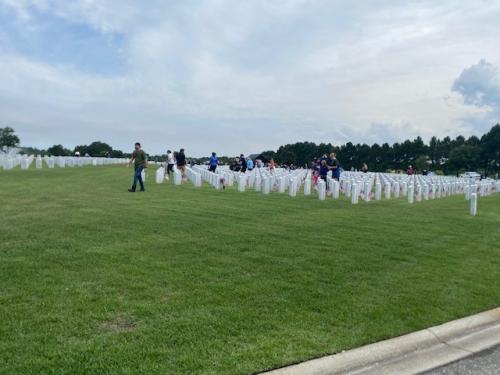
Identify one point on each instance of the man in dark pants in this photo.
(181, 162)
(333, 165)
(140, 163)
(213, 163)
(243, 163)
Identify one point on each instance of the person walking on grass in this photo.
(214, 162)
(181, 162)
(170, 164)
(140, 161)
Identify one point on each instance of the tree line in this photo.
(8, 139)
(448, 156)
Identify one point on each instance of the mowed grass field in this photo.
(180, 280)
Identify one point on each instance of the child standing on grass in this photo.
(140, 163)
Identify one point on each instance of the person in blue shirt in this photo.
(214, 162)
(323, 170)
(249, 164)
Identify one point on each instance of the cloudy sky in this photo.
(245, 76)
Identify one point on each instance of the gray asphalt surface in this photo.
(484, 363)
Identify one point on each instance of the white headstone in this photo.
(368, 191)
(336, 189)
(411, 194)
(307, 185)
(242, 182)
(387, 190)
(266, 188)
(321, 190)
(348, 188)
(292, 189)
(425, 192)
(354, 194)
(282, 184)
(396, 190)
(177, 177)
(160, 175)
(473, 204)
(378, 191)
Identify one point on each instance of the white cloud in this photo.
(247, 76)
(479, 85)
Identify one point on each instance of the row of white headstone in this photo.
(261, 179)
(26, 161)
(353, 185)
(415, 187)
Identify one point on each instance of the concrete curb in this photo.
(410, 354)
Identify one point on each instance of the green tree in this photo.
(99, 149)
(464, 158)
(490, 145)
(422, 163)
(268, 154)
(8, 138)
(439, 155)
(95, 149)
(433, 152)
(82, 149)
(31, 151)
(58, 150)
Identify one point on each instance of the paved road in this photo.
(484, 363)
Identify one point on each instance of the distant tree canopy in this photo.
(441, 155)
(446, 155)
(98, 149)
(58, 150)
(8, 138)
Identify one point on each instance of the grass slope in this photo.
(94, 279)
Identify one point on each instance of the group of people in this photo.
(326, 164)
(140, 161)
(242, 164)
(239, 163)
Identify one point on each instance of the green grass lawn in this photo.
(94, 279)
